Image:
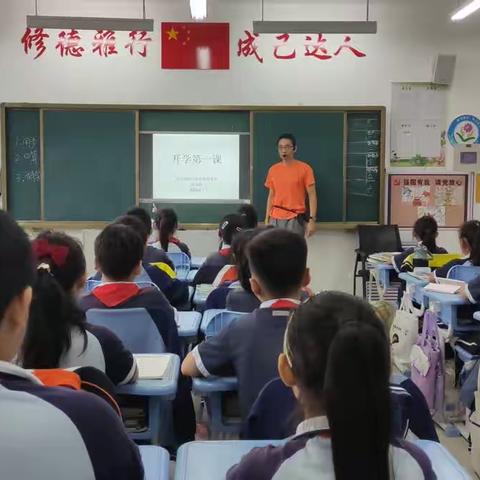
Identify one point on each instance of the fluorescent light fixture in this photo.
(465, 10)
(314, 27)
(90, 23)
(198, 9)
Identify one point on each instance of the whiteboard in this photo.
(192, 166)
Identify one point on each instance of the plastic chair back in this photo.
(220, 321)
(92, 284)
(464, 273)
(379, 238)
(142, 277)
(181, 262)
(134, 326)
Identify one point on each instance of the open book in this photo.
(445, 285)
(152, 367)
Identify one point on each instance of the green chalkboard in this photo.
(23, 163)
(363, 166)
(320, 139)
(89, 164)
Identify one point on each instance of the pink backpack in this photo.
(427, 357)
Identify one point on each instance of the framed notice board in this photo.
(443, 196)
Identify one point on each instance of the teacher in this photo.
(289, 182)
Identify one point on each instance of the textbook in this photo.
(381, 257)
(445, 287)
(152, 367)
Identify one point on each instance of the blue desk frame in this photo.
(160, 393)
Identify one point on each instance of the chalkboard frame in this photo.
(41, 224)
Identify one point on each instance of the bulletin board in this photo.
(443, 196)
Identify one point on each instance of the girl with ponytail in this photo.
(58, 335)
(166, 223)
(336, 359)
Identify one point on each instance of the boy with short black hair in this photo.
(152, 254)
(118, 256)
(229, 226)
(74, 426)
(250, 345)
(118, 253)
(159, 273)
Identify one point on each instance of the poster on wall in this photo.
(418, 126)
(412, 196)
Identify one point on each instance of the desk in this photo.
(212, 460)
(156, 462)
(414, 286)
(188, 324)
(160, 392)
(382, 273)
(448, 306)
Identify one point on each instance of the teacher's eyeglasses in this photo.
(286, 147)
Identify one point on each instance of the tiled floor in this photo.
(458, 447)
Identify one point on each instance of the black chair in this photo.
(373, 239)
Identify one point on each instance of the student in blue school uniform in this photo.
(152, 254)
(58, 335)
(249, 346)
(49, 432)
(469, 239)
(118, 255)
(159, 273)
(336, 359)
(166, 225)
(237, 296)
(229, 226)
(425, 232)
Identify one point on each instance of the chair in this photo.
(373, 239)
(156, 462)
(134, 326)
(220, 321)
(181, 263)
(464, 273)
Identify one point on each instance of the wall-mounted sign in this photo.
(465, 129)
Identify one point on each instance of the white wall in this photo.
(411, 34)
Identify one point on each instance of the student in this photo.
(237, 294)
(49, 432)
(229, 227)
(249, 346)
(58, 335)
(425, 232)
(166, 223)
(152, 254)
(250, 215)
(118, 254)
(336, 359)
(469, 239)
(158, 273)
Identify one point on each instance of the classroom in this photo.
(190, 189)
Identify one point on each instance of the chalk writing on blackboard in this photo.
(26, 160)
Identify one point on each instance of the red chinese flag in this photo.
(191, 46)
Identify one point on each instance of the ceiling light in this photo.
(198, 9)
(465, 10)
(90, 23)
(314, 27)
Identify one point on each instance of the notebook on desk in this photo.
(445, 285)
(152, 367)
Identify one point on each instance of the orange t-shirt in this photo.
(289, 183)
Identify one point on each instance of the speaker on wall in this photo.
(444, 69)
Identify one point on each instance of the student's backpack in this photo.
(427, 357)
(404, 333)
(475, 429)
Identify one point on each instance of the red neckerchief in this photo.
(114, 294)
(225, 252)
(175, 241)
(231, 275)
(284, 305)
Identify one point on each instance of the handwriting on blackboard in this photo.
(26, 159)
